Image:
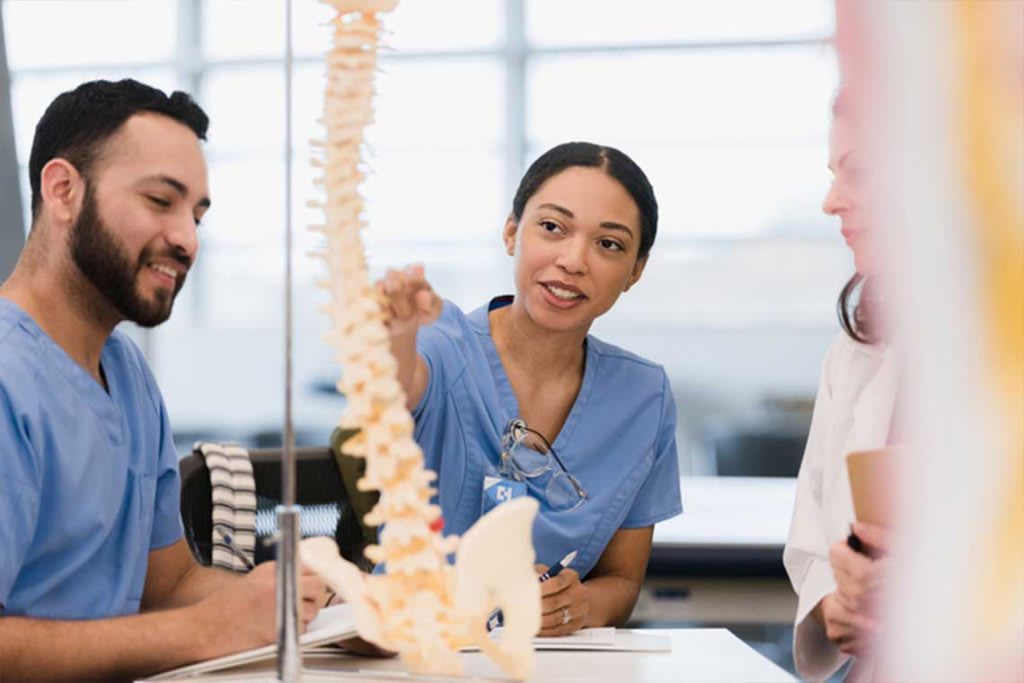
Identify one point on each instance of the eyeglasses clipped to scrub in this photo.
(526, 454)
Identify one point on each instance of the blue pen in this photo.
(229, 543)
(497, 619)
(556, 569)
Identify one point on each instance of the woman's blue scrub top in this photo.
(618, 440)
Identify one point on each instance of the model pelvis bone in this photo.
(493, 570)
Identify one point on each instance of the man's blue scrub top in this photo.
(618, 440)
(88, 480)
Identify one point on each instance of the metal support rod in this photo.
(515, 96)
(288, 459)
(289, 656)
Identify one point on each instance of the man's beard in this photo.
(105, 264)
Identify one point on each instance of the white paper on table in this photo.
(605, 638)
(594, 637)
(333, 623)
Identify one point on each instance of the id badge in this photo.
(498, 490)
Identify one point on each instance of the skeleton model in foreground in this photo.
(423, 607)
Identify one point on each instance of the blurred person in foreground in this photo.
(838, 586)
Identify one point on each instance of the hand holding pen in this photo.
(564, 601)
(312, 601)
(557, 568)
(496, 618)
(225, 539)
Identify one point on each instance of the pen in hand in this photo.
(497, 619)
(557, 567)
(228, 542)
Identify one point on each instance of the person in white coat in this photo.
(835, 584)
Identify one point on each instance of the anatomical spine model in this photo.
(422, 607)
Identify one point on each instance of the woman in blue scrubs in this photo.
(517, 398)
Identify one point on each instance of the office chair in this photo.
(327, 507)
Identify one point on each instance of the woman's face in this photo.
(847, 196)
(575, 248)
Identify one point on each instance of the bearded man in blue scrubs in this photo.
(90, 528)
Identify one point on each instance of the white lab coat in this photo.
(852, 411)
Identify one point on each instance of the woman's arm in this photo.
(610, 592)
(608, 596)
(615, 582)
(851, 622)
(819, 623)
(410, 303)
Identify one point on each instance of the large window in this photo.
(723, 102)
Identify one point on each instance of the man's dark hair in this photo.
(78, 122)
(610, 160)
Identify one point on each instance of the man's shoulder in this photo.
(14, 327)
(20, 354)
(129, 356)
(126, 351)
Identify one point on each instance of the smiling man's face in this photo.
(135, 236)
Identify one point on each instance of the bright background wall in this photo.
(724, 103)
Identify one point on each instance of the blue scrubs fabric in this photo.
(88, 480)
(618, 440)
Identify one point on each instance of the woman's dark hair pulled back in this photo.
(613, 162)
(851, 308)
(853, 311)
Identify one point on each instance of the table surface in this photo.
(745, 512)
(698, 655)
